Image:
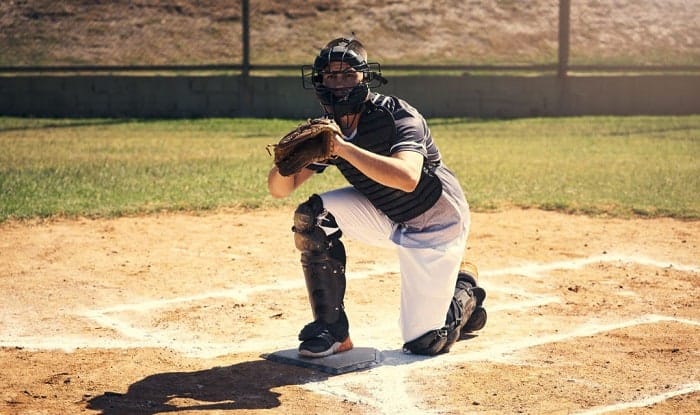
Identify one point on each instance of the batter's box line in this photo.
(641, 403)
(105, 316)
(536, 269)
(243, 293)
(393, 362)
(240, 294)
(500, 352)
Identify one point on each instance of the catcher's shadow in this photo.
(246, 385)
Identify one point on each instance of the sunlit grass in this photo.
(619, 166)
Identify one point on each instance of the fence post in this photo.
(245, 19)
(564, 28)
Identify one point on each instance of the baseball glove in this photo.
(308, 143)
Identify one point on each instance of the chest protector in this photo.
(376, 133)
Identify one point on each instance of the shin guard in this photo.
(323, 261)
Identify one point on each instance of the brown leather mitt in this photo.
(309, 142)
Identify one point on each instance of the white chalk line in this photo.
(239, 293)
(388, 397)
(646, 401)
(490, 351)
(500, 352)
(243, 293)
(537, 269)
(153, 338)
(148, 337)
(392, 397)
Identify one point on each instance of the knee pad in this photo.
(306, 216)
(308, 219)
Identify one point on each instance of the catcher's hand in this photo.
(308, 143)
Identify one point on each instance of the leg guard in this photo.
(431, 343)
(465, 315)
(323, 261)
(461, 308)
(477, 319)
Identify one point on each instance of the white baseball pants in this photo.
(428, 274)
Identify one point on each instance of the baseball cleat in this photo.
(324, 345)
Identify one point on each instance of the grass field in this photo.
(619, 166)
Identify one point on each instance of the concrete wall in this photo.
(435, 96)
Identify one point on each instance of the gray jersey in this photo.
(436, 211)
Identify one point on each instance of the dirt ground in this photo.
(174, 313)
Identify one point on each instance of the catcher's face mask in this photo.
(341, 77)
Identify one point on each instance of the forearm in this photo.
(282, 186)
(401, 172)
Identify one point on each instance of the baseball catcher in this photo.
(400, 195)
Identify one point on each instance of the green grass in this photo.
(619, 166)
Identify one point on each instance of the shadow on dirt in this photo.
(246, 385)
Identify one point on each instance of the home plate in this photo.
(350, 361)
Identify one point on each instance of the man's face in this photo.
(341, 77)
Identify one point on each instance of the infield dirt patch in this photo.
(171, 313)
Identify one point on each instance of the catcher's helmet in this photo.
(352, 53)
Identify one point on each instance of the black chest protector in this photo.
(376, 133)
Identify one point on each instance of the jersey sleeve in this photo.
(411, 130)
